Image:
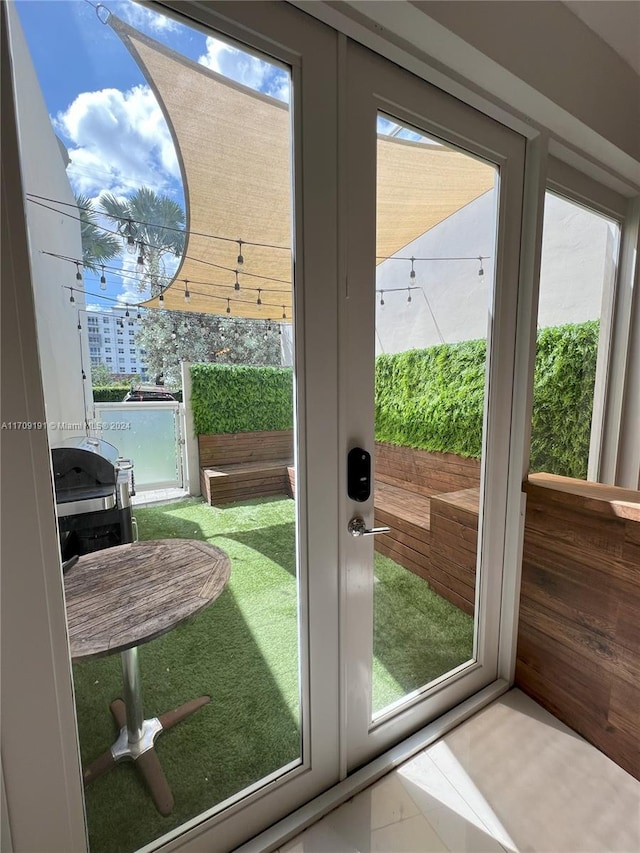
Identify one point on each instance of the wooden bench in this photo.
(244, 465)
(430, 502)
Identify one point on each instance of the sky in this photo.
(107, 116)
(102, 108)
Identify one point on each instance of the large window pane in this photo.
(579, 261)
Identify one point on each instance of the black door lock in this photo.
(359, 474)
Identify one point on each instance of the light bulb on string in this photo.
(228, 306)
(79, 325)
(131, 243)
(480, 271)
(71, 297)
(126, 313)
(161, 300)
(284, 314)
(187, 295)
(409, 296)
(138, 315)
(268, 325)
(78, 273)
(84, 375)
(103, 279)
(236, 286)
(412, 274)
(240, 256)
(382, 297)
(259, 299)
(140, 260)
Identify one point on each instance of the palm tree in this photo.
(152, 226)
(98, 246)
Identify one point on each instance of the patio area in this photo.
(243, 652)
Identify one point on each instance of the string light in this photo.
(228, 306)
(259, 299)
(138, 315)
(78, 273)
(140, 261)
(122, 273)
(409, 296)
(79, 324)
(72, 297)
(236, 286)
(161, 299)
(240, 256)
(480, 271)
(284, 313)
(84, 375)
(412, 274)
(129, 230)
(103, 279)
(382, 297)
(187, 295)
(126, 313)
(131, 243)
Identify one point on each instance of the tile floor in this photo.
(511, 778)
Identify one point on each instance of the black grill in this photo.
(93, 485)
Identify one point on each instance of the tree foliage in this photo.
(153, 226)
(98, 246)
(169, 337)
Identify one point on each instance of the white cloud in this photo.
(121, 142)
(143, 18)
(246, 69)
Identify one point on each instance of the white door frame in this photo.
(375, 85)
(38, 711)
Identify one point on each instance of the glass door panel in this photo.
(160, 205)
(435, 198)
(435, 246)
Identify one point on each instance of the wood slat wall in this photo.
(579, 629)
(239, 447)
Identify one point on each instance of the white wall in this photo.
(577, 257)
(62, 348)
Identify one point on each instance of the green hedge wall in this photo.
(563, 399)
(110, 393)
(228, 398)
(433, 398)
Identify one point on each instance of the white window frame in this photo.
(39, 722)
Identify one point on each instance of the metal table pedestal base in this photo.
(137, 735)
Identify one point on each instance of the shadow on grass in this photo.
(241, 651)
(277, 543)
(418, 635)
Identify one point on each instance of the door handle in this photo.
(357, 527)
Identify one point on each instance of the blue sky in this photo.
(101, 106)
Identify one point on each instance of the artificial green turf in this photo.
(242, 651)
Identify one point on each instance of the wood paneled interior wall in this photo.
(579, 629)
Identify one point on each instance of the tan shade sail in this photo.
(234, 149)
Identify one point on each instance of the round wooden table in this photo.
(122, 597)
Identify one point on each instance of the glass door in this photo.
(434, 197)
